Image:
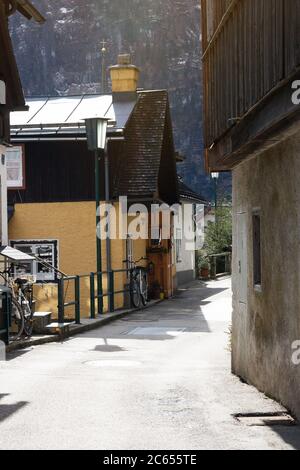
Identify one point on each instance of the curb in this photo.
(77, 329)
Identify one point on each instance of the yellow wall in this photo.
(73, 225)
(124, 79)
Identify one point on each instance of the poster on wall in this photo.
(15, 162)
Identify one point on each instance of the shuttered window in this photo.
(257, 266)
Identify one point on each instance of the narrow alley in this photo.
(156, 379)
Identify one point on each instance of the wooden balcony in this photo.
(251, 57)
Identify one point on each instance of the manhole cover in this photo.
(149, 331)
(266, 419)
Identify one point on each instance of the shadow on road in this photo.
(289, 434)
(108, 348)
(162, 322)
(15, 354)
(8, 410)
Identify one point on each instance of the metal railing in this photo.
(96, 293)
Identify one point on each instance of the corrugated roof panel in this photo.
(56, 111)
(19, 118)
(73, 110)
(89, 107)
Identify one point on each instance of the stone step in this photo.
(62, 329)
(40, 322)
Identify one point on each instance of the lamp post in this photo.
(215, 178)
(96, 132)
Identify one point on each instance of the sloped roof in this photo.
(143, 166)
(48, 116)
(187, 193)
(8, 67)
(143, 147)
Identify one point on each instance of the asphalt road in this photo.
(155, 380)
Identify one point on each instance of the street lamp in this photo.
(96, 130)
(96, 133)
(215, 176)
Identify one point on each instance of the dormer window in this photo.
(2, 92)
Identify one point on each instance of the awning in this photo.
(15, 255)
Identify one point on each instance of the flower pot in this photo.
(204, 273)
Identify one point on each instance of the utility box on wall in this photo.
(5, 309)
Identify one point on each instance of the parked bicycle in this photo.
(138, 283)
(21, 314)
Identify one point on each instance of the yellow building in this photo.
(53, 212)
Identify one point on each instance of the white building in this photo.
(185, 250)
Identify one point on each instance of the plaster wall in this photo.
(266, 320)
(73, 225)
(186, 267)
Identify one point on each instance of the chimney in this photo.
(124, 75)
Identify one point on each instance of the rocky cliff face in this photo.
(163, 36)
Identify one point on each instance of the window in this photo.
(178, 246)
(157, 242)
(46, 251)
(257, 268)
(15, 162)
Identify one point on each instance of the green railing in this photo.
(95, 293)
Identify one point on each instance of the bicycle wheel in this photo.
(28, 318)
(17, 321)
(144, 288)
(135, 293)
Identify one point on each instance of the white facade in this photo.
(3, 198)
(185, 252)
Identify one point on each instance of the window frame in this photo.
(178, 245)
(257, 249)
(18, 244)
(21, 184)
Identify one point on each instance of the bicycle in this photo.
(138, 286)
(21, 314)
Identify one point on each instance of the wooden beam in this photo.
(274, 121)
(29, 11)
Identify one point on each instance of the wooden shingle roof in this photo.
(147, 166)
(188, 194)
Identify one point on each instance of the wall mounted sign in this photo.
(45, 253)
(15, 161)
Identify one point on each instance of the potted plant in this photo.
(204, 269)
(203, 265)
